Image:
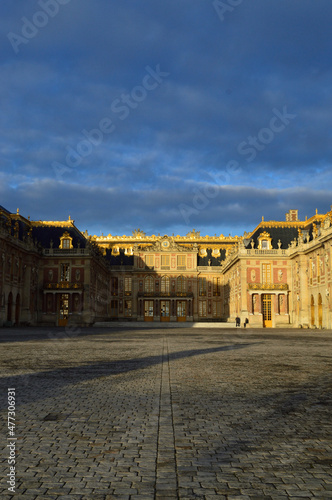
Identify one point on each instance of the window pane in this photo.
(165, 284)
(65, 272)
(148, 284)
(202, 286)
(127, 284)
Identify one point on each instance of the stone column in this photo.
(260, 304)
(286, 303)
(250, 299)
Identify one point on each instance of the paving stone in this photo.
(172, 413)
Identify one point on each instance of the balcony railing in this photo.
(268, 286)
(272, 251)
(65, 251)
(165, 294)
(64, 285)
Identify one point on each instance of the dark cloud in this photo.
(206, 207)
(226, 80)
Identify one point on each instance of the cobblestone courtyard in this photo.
(177, 413)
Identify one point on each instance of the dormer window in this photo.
(66, 241)
(264, 241)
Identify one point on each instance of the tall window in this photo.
(164, 284)
(114, 286)
(216, 309)
(216, 287)
(114, 308)
(266, 273)
(127, 286)
(181, 284)
(65, 272)
(202, 286)
(148, 284)
(181, 262)
(202, 308)
(149, 261)
(127, 308)
(165, 261)
(310, 270)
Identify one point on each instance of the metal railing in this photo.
(63, 285)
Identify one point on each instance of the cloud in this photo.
(231, 209)
(225, 81)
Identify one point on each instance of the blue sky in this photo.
(166, 115)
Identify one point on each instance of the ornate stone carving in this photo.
(193, 234)
(166, 245)
(138, 233)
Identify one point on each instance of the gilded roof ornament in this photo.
(138, 233)
(193, 234)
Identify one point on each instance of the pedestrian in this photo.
(237, 321)
(246, 321)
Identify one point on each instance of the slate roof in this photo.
(284, 234)
(119, 260)
(4, 209)
(215, 261)
(44, 235)
(23, 227)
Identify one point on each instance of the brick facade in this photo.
(276, 276)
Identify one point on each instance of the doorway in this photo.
(267, 310)
(181, 310)
(148, 310)
(63, 309)
(164, 310)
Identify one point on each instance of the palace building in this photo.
(277, 275)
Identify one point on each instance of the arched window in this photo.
(164, 284)
(148, 284)
(181, 284)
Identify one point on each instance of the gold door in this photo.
(148, 310)
(181, 308)
(267, 310)
(164, 310)
(63, 309)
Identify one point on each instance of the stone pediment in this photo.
(167, 244)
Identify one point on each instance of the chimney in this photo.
(292, 215)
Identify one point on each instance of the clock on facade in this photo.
(165, 244)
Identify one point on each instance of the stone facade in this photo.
(277, 275)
